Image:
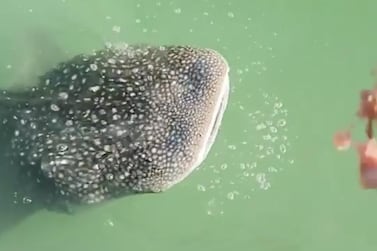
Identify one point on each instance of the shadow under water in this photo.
(13, 206)
(19, 195)
(22, 192)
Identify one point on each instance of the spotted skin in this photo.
(123, 120)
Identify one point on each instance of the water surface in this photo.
(272, 180)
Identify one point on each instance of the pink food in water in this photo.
(368, 104)
(368, 164)
(342, 140)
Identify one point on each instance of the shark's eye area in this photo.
(61, 148)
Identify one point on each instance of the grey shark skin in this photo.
(123, 120)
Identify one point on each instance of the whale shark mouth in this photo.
(215, 122)
(218, 117)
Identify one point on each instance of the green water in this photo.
(272, 181)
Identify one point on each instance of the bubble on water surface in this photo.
(116, 28)
(177, 11)
(109, 223)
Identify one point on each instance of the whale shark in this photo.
(122, 120)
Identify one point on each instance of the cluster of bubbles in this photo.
(255, 160)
